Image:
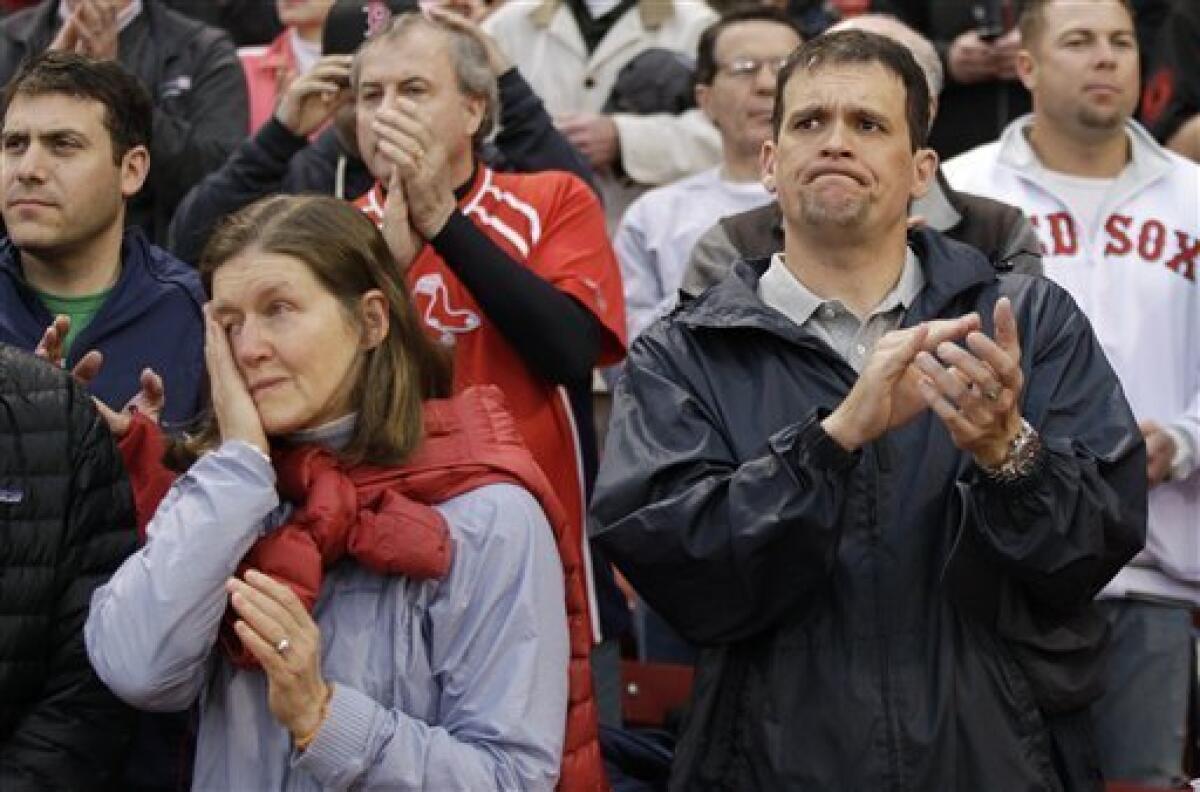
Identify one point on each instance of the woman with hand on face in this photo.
(355, 577)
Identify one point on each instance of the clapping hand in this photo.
(419, 160)
(275, 627)
(977, 391)
(310, 101)
(148, 401)
(887, 394)
(91, 30)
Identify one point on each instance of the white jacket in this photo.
(543, 40)
(657, 234)
(1135, 276)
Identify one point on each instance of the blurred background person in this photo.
(572, 52)
(739, 57)
(978, 42)
(1170, 105)
(191, 70)
(293, 53)
(1119, 220)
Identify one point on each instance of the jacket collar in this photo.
(950, 268)
(131, 294)
(939, 206)
(1148, 162)
(653, 12)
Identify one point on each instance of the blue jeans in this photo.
(1141, 718)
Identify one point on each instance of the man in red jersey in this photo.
(513, 272)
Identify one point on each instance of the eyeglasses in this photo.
(742, 68)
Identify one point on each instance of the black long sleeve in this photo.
(255, 169)
(77, 731)
(557, 337)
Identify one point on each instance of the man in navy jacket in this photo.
(75, 150)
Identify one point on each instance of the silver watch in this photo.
(1023, 450)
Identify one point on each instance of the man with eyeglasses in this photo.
(738, 59)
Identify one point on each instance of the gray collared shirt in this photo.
(833, 322)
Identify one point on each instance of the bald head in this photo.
(919, 46)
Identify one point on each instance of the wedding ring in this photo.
(283, 645)
(992, 394)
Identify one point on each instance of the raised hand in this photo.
(52, 347)
(149, 399)
(887, 393)
(310, 101)
(971, 59)
(456, 16)
(1160, 452)
(237, 417)
(277, 629)
(1005, 54)
(419, 159)
(67, 39)
(402, 239)
(977, 391)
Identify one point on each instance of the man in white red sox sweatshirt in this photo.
(1119, 221)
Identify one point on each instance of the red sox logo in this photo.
(1151, 240)
(432, 298)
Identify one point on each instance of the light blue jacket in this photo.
(456, 684)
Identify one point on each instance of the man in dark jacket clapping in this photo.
(878, 482)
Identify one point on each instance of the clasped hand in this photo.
(419, 199)
(275, 627)
(975, 391)
(91, 30)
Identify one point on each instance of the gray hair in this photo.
(474, 73)
(922, 50)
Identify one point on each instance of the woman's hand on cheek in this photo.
(236, 415)
(277, 629)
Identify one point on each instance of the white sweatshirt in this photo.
(1134, 273)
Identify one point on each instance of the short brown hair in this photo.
(1033, 17)
(349, 257)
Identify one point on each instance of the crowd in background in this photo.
(498, 400)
